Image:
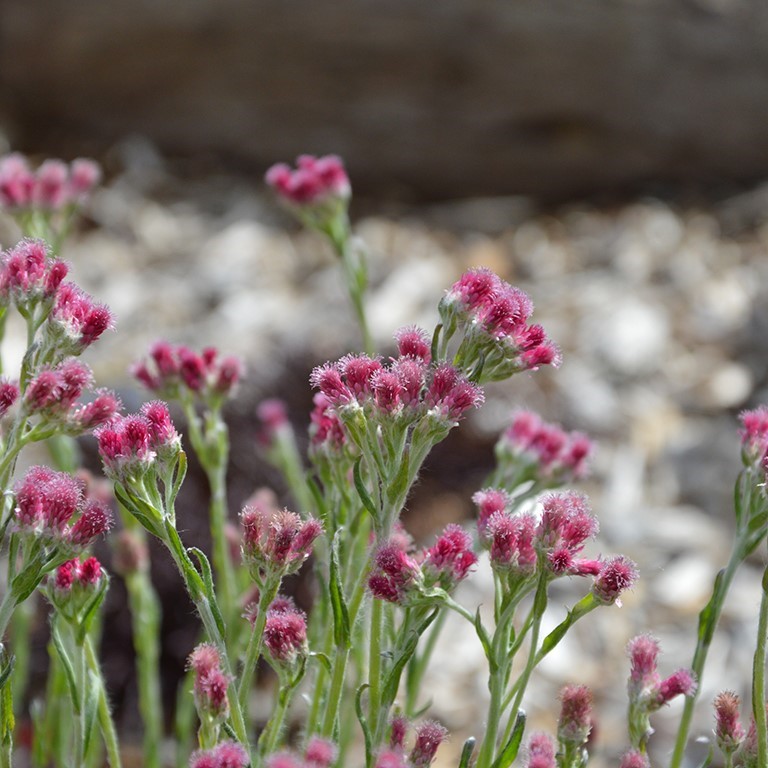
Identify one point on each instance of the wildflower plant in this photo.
(352, 665)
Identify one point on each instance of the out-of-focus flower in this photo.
(315, 181)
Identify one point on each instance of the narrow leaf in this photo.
(466, 752)
(363, 491)
(509, 753)
(205, 567)
(341, 627)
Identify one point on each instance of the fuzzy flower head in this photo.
(227, 754)
(754, 435)
(73, 585)
(729, 731)
(489, 501)
(493, 317)
(511, 541)
(643, 652)
(54, 396)
(429, 736)
(450, 559)
(395, 576)
(276, 542)
(315, 182)
(326, 433)
(51, 505)
(532, 448)
(211, 682)
(285, 632)
(615, 576)
(566, 525)
(29, 275)
(635, 759)
(541, 751)
(575, 721)
(171, 370)
(54, 186)
(75, 321)
(273, 417)
(320, 753)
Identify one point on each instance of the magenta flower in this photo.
(566, 525)
(395, 576)
(512, 540)
(575, 721)
(489, 501)
(320, 753)
(276, 543)
(541, 752)
(227, 754)
(615, 576)
(449, 560)
(414, 342)
(729, 731)
(78, 576)
(315, 181)
(211, 682)
(429, 736)
(285, 631)
(76, 321)
(635, 759)
(16, 182)
(29, 275)
(326, 431)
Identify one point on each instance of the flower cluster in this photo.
(404, 390)
(275, 543)
(75, 321)
(428, 738)
(398, 577)
(52, 187)
(315, 181)
(176, 371)
(541, 751)
(50, 505)
(76, 575)
(227, 754)
(575, 723)
(53, 395)
(648, 692)
(493, 316)
(518, 542)
(326, 433)
(319, 753)
(130, 446)
(211, 682)
(285, 631)
(729, 732)
(30, 275)
(532, 449)
(754, 436)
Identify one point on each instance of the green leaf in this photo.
(195, 584)
(69, 672)
(6, 671)
(147, 515)
(317, 495)
(362, 491)
(512, 747)
(436, 341)
(466, 752)
(341, 627)
(180, 474)
(323, 659)
(556, 635)
(363, 722)
(392, 681)
(91, 709)
(205, 567)
(486, 642)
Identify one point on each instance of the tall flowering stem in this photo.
(317, 192)
(202, 383)
(142, 455)
(751, 513)
(758, 676)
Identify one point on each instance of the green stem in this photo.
(7, 607)
(708, 619)
(20, 632)
(758, 678)
(375, 667)
(255, 643)
(106, 723)
(334, 695)
(145, 613)
(271, 734)
(222, 562)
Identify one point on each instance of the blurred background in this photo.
(608, 156)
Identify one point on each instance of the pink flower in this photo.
(450, 394)
(488, 502)
(326, 430)
(512, 542)
(634, 759)
(73, 574)
(315, 181)
(285, 631)
(399, 726)
(273, 415)
(679, 683)
(414, 342)
(575, 721)
(125, 446)
(754, 434)
(84, 176)
(276, 542)
(103, 408)
(50, 189)
(9, 394)
(541, 752)
(76, 319)
(450, 559)
(615, 576)
(643, 652)
(429, 736)
(29, 274)
(566, 525)
(227, 754)
(394, 575)
(94, 521)
(320, 753)
(211, 683)
(391, 758)
(729, 731)
(46, 499)
(16, 182)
